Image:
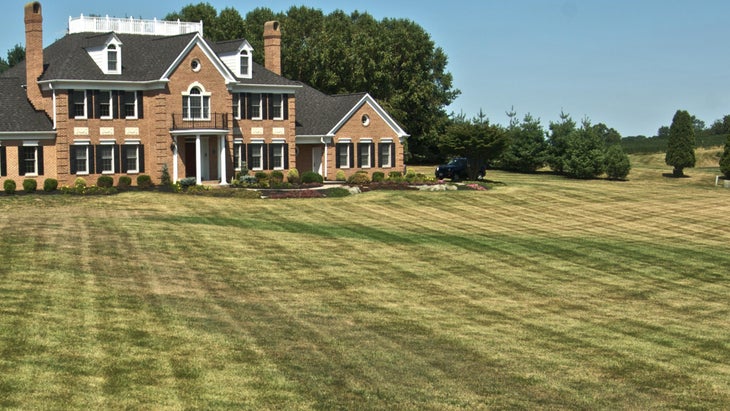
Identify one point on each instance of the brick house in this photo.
(125, 97)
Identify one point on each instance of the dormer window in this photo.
(112, 53)
(245, 63)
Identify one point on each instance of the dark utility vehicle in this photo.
(456, 169)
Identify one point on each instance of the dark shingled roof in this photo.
(17, 114)
(318, 113)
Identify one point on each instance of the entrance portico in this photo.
(202, 153)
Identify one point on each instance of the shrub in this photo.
(340, 176)
(618, 164)
(144, 181)
(105, 181)
(124, 182)
(359, 178)
(378, 176)
(247, 180)
(79, 182)
(725, 159)
(312, 177)
(276, 176)
(9, 187)
(165, 179)
(30, 185)
(395, 175)
(293, 176)
(187, 182)
(336, 192)
(51, 184)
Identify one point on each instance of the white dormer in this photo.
(240, 60)
(108, 55)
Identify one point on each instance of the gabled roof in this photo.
(18, 115)
(319, 114)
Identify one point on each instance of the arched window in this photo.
(245, 63)
(112, 53)
(196, 105)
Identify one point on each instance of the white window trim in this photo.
(85, 116)
(387, 144)
(87, 144)
(367, 143)
(259, 147)
(136, 106)
(135, 144)
(260, 105)
(347, 150)
(111, 143)
(30, 143)
(277, 145)
(202, 95)
(237, 100)
(247, 53)
(281, 105)
(111, 105)
(238, 149)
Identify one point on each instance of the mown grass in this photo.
(542, 293)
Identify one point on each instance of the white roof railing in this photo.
(131, 25)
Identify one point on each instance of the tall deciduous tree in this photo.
(15, 56)
(477, 140)
(681, 145)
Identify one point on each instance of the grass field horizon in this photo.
(544, 293)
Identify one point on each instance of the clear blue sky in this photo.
(629, 64)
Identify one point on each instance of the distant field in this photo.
(544, 293)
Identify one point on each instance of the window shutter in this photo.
(372, 154)
(380, 155)
(140, 158)
(89, 104)
(286, 156)
(3, 159)
(117, 107)
(265, 156)
(249, 156)
(285, 103)
(125, 155)
(270, 157)
(249, 106)
(351, 163)
(98, 160)
(117, 158)
(359, 158)
(270, 111)
(40, 160)
(140, 105)
(72, 158)
(90, 157)
(264, 106)
(70, 104)
(21, 156)
(94, 96)
(337, 155)
(392, 155)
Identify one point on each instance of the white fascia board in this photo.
(367, 99)
(217, 63)
(262, 88)
(199, 131)
(102, 85)
(27, 135)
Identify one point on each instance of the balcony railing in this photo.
(217, 121)
(85, 24)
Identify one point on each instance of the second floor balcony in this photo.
(216, 121)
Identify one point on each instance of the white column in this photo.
(175, 154)
(326, 155)
(222, 147)
(198, 160)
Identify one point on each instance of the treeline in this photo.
(15, 55)
(705, 137)
(394, 60)
(585, 151)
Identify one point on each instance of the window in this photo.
(196, 105)
(255, 102)
(237, 106)
(80, 156)
(277, 106)
(107, 158)
(30, 160)
(277, 156)
(105, 104)
(78, 104)
(132, 158)
(343, 155)
(130, 105)
(245, 63)
(386, 151)
(112, 60)
(256, 156)
(365, 155)
(238, 158)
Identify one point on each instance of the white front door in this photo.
(317, 160)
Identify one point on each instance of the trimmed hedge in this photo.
(9, 186)
(312, 177)
(105, 181)
(30, 185)
(51, 184)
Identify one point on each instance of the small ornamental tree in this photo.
(725, 159)
(618, 164)
(681, 145)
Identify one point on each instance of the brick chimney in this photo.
(34, 52)
(272, 46)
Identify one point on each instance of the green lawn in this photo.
(542, 293)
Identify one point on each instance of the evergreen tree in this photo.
(584, 153)
(557, 141)
(725, 159)
(527, 147)
(477, 140)
(681, 145)
(618, 164)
